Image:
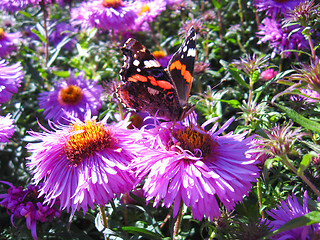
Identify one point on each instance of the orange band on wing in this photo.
(161, 83)
(183, 68)
(137, 78)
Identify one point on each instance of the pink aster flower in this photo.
(71, 98)
(8, 42)
(196, 167)
(6, 128)
(10, 79)
(147, 11)
(84, 163)
(289, 210)
(276, 6)
(105, 14)
(279, 38)
(268, 74)
(26, 203)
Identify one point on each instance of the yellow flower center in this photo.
(93, 138)
(70, 95)
(112, 3)
(159, 54)
(144, 8)
(190, 139)
(2, 34)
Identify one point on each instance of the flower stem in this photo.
(260, 197)
(288, 163)
(312, 47)
(240, 12)
(45, 26)
(104, 219)
(178, 222)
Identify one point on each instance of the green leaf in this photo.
(296, 117)
(313, 146)
(235, 74)
(36, 32)
(306, 220)
(63, 74)
(234, 103)
(142, 232)
(216, 4)
(305, 162)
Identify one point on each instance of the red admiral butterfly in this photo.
(147, 86)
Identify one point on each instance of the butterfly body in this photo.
(147, 86)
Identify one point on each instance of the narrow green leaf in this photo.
(296, 117)
(313, 146)
(142, 232)
(306, 220)
(234, 103)
(235, 74)
(216, 4)
(305, 162)
(36, 32)
(63, 74)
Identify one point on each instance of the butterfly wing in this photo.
(146, 85)
(181, 66)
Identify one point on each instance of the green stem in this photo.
(288, 163)
(45, 26)
(240, 12)
(312, 47)
(259, 190)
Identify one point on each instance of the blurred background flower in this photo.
(71, 98)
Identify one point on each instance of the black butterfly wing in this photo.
(181, 67)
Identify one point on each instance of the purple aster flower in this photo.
(147, 11)
(8, 42)
(105, 14)
(17, 5)
(162, 57)
(26, 203)
(309, 96)
(280, 38)
(10, 79)
(6, 128)
(61, 31)
(84, 163)
(195, 166)
(275, 6)
(289, 210)
(71, 98)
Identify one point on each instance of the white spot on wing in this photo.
(151, 63)
(136, 62)
(191, 52)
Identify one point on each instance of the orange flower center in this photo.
(144, 8)
(112, 3)
(159, 54)
(190, 139)
(92, 137)
(70, 95)
(2, 33)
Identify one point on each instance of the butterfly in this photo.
(147, 86)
